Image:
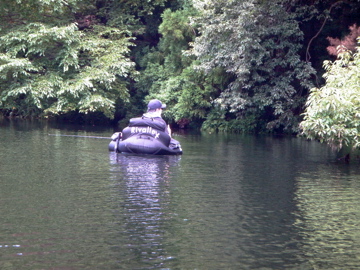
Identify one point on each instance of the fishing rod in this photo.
(79, 136)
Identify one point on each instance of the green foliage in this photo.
(234, 64)
(176, 34)
(260, 49)
(216, 121)
(57, 68)
(169, 74)
(138, 7)
(333, 111)
(20, 12)
(139, 16)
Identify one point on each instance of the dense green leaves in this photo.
(229, 65)
(251, 41)
(57, 68)
(333, 111)
(169, 75)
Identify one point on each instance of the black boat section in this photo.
(145, 136)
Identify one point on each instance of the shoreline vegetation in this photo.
(221, 66)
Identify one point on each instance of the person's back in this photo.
(155, 108)
(148, 134)
(150, 124)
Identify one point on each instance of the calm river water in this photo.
(229, 202)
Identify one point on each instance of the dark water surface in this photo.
(230, 202)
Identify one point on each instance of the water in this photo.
(230, 202)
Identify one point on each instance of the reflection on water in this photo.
(329, 219)
(230, 202)
(143, 210)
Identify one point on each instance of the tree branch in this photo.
(308, 57)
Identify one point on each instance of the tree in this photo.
(168, 72)
(348, 43)
(260, 49)
(332, 112)
(48, 65)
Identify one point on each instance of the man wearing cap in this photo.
(148, 134)
(154, 111)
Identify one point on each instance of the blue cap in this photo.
(155, 104)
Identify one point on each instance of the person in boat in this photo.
(148, 134)
(155, 108)
(151, 124)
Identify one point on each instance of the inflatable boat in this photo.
(145, 136)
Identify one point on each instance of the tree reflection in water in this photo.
(142, 213)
